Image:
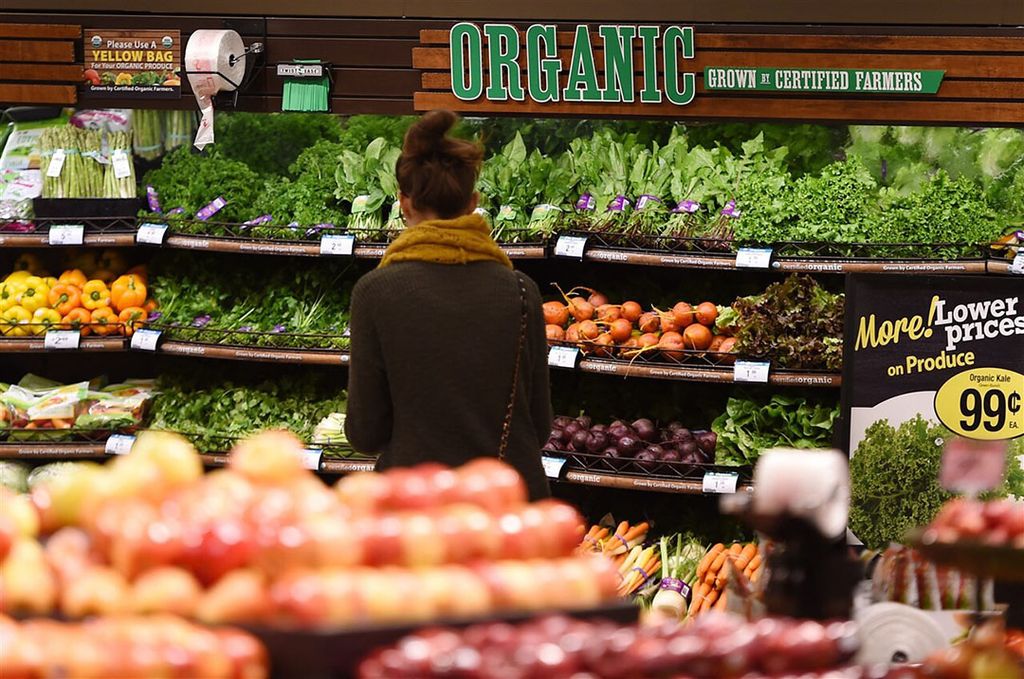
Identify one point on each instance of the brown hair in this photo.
(438, 172)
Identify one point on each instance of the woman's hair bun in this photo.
(427, 135)
(438, 172)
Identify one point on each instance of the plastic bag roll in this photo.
(213, 62)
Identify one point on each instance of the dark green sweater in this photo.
(433, 349)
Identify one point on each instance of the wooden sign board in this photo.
(675, 71)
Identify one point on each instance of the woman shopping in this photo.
(448, 353)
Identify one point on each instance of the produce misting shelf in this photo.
(17, 345)
(701, 373)
(42, 450)
(254, 354)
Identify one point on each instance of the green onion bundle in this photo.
(148, 133)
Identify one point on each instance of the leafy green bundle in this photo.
(225, 301)
(750, 425)
(190, 181)
(795, 323)
(215, 413)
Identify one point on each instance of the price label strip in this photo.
(570, 246)
(563, 357)
(66, 234)
(720, 482)
(119, 444)
(311, 458)
(151, 234)
(552, 466)
(144, 339)
(61, 339)
(751, 371)
(754, 258)
(337, 244)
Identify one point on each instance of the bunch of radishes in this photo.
(586, 318)
(641, 440)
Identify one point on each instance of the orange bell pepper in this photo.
(128, 290)
(132, 317)
(95, 295)
(104, 321)
(64, 297)
(78, 319)
(140, 273)
(73, 277)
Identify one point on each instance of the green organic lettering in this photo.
(582, 83)
(618, 62)
(678, 41)
(543, 62)
(467, 71)
(503, 53)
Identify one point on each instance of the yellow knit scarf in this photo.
(446, 241)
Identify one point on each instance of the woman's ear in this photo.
(406, 204)
(474, 202)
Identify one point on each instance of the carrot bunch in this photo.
(713, 574)
(637, 568)
(602, 541)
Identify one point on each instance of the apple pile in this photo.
(715, 645)
(265, 540)
(642, 440)
(585, 317)
(984, 653)
(999, 523)
(138, 647)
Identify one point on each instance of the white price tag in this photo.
(122, 168)
(61, 339)
(563, 357)
(1017, 265)
(56, 163)
(311, 458)
(751, 371)
(144, 339)
(337, 244)
(754, 258)
(67, 234)
(570, 246)
(359, 204)
(119, 444)
(152, 234)
(720, 482)
(552, 466)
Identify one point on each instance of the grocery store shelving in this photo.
(51, 450)
(703, 373)
(37, 343)
(254, 354)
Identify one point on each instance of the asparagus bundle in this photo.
(74, 156)
(119, 178)
(179, 127)
(148, 134)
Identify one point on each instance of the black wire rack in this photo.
(247, 338)
(660, 470)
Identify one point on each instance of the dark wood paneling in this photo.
(1008, 90)
(37, 50)
(955, 65)
(828, 43)
(760, 108)
(924, 12)
(352, 28)
(343, 51)
(14, 93)
(48, 31)
(42, 72)
(186, 24)
(380, 82)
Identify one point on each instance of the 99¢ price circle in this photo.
(983, 403)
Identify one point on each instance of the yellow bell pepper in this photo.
(50, 281)
(45, 319)
(14, 321)
(36, 294)
(95, 295)
(18, 276)
(10, 294)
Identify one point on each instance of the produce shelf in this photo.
(623, 472)
(686, 373)
(259, 346)
(97, 231)
(999, 562)
(255, 354)
(698, 253)
(35, 343)
(71, 450)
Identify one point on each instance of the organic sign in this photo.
(601, 67)
(133, 63)
(822, 80)
(945, 348)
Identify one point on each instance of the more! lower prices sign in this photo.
(947, 349)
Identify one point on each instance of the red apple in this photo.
(239, 596)
(381, 538)
(299, 598)
(421, 543)
(363, 492)
(97, 591)
(562, 523)
(166, 590)
(217, 548)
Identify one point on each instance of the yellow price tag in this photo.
(983, 403)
